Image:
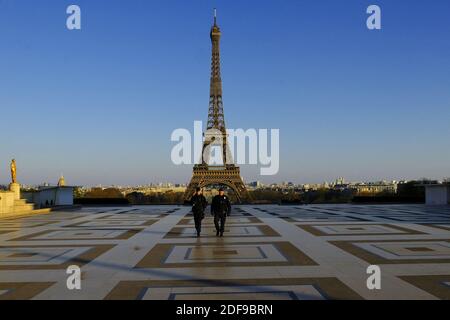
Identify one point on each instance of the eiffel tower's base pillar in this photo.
(228, 175)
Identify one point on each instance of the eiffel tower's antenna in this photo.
(215, 16)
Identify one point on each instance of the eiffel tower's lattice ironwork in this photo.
(206, 174)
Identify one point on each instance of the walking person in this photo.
(220, 209)
(199, 204)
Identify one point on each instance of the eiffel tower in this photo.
(226, 174)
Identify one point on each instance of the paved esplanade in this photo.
(285, 252)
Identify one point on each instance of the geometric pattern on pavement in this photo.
(267, 252)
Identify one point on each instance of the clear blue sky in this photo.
(99, 104)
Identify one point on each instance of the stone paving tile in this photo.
(268, 252)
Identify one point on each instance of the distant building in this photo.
(256, 184)
(437, 193)
(61, 182)
(373, 188)
(45, 197)
(51, 196)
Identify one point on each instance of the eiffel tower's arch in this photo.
(228, 184)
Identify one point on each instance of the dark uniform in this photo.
(220, 209)
(199, 203)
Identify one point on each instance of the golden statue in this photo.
(13, 171)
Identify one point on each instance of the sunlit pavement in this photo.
(267, 252)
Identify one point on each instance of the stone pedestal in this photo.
(15, 187)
